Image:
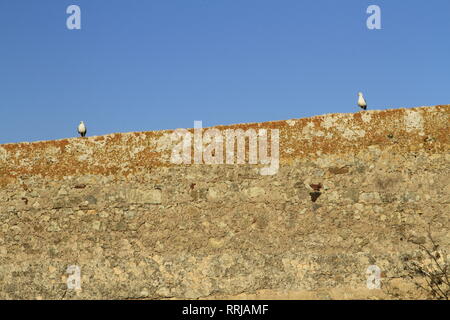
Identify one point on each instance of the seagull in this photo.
(361, 101)
(82, 129)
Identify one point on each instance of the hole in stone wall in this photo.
(315, 196)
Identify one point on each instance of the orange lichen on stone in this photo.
(401, 130)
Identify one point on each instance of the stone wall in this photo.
(352, 190)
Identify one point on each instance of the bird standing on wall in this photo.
(82, 129)
(361, 101)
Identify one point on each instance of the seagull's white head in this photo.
(81, 122)
(360, 94)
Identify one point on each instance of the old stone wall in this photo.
(352, 190)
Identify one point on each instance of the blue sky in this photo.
(161, 64)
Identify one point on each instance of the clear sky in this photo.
(140, 65)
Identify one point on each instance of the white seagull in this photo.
(361, 101)
(82, 129)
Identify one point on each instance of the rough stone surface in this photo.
(140, 227)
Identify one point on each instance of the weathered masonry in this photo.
(352, 190)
